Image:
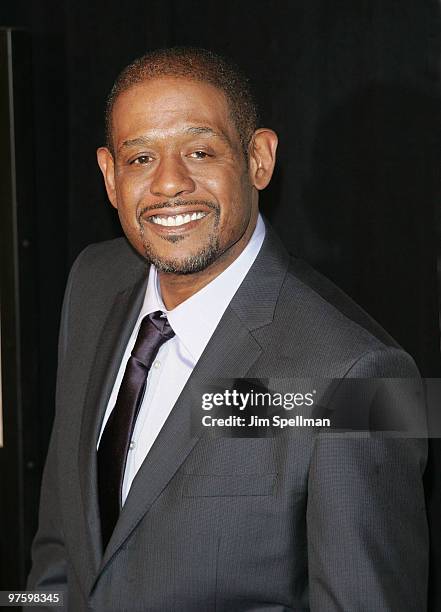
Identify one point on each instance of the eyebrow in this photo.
(135, 142)
(194, 130)
(202, 130)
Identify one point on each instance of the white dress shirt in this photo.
(193, 322)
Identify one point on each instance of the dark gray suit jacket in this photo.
(308, 522)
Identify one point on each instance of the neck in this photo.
(176, 288)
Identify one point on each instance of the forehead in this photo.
(165, 106)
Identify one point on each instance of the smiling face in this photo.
(185, 194)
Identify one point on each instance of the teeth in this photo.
(177, 220)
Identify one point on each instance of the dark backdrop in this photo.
(351, 87)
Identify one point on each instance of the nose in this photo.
(171, 179)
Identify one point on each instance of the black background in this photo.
(352, 88)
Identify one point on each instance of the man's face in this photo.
(178, 175)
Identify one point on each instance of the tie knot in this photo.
(160, 321)
(153, 332)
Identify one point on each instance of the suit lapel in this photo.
(230, 353)
(110, 349)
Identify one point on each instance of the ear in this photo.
(107, 166)
(262, 157)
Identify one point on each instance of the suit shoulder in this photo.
(101, 254)
(99, 273)
(113, 260)
(321, 295)
(318, 329)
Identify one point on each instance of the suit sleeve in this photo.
(48, 570)
(366, 518)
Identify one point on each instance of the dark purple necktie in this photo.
(115, 440)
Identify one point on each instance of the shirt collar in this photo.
(195, 320)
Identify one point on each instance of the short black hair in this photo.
(199, 65)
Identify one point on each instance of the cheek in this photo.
(129, 194)
(224, 188)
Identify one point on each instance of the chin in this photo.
(183, 264)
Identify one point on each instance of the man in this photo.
(140, 511)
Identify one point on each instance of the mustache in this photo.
(177, 203)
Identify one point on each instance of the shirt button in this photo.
(157, 364)
(132, 445)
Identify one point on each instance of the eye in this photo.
(142, 160)
(199, 155)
